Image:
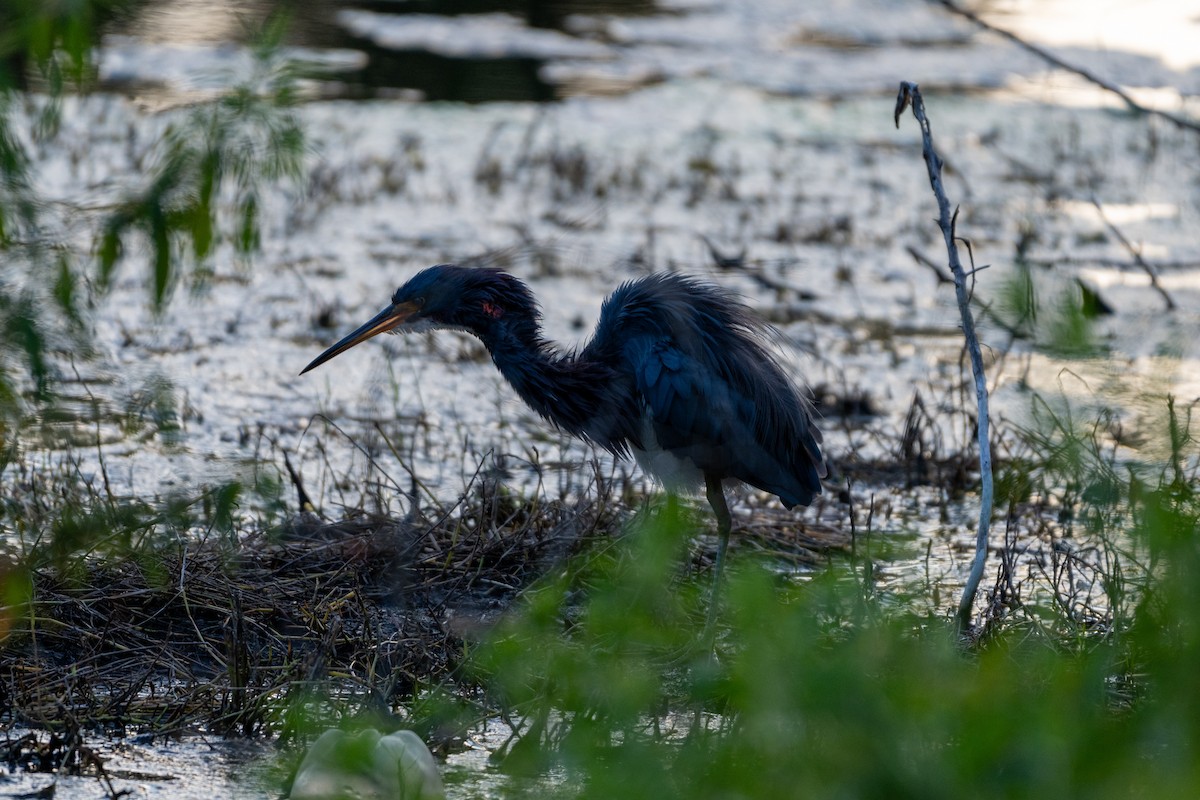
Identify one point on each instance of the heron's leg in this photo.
(716, 499)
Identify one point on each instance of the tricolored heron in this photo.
(677, 374)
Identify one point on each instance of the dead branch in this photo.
(910, 95)
(1047, 56)
(1137, 255)
(924, 260)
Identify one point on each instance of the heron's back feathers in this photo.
(695, 362)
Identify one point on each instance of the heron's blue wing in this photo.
(697, 412)
(692, 410)
(690, 369)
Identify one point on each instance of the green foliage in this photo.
(18, 210)
(819, 689)
(1066, 328)
(219, 507)
(16, 590)
(204, 189)
(114, 529)
(1070, 328)
(61, 523)
(232, 146)
(55, 36)
(1017, 301)
(601, 663)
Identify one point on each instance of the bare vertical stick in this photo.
(910, 95)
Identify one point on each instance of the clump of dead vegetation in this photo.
(178, 633)
(158, 628)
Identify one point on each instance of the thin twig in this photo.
(923, 260)
(911, 95)
(1049, 57)
(1049, 262)
(1137, 255)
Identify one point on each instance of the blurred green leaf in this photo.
(64, 290)
(1071, 329)
(16, 590)
(110, 250)
(235, 144)
(1017, 301)
(160, 237)
(248, 236)
(21, 330)
(56, 36)
(203, 211)
(221, 504)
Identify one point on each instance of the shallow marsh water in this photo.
(763, 129)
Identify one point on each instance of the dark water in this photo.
(475, 73)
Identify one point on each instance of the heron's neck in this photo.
(560, 387)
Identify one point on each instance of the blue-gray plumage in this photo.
(677, 374)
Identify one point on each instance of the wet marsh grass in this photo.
(128, 616)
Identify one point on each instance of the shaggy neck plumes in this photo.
(558, 386)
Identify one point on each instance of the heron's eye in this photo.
(419, 302)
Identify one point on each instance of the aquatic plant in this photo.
(202, 190)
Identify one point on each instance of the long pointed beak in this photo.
(391, 317)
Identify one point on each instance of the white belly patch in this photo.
(677, 475)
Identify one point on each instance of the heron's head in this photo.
(446, 296)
